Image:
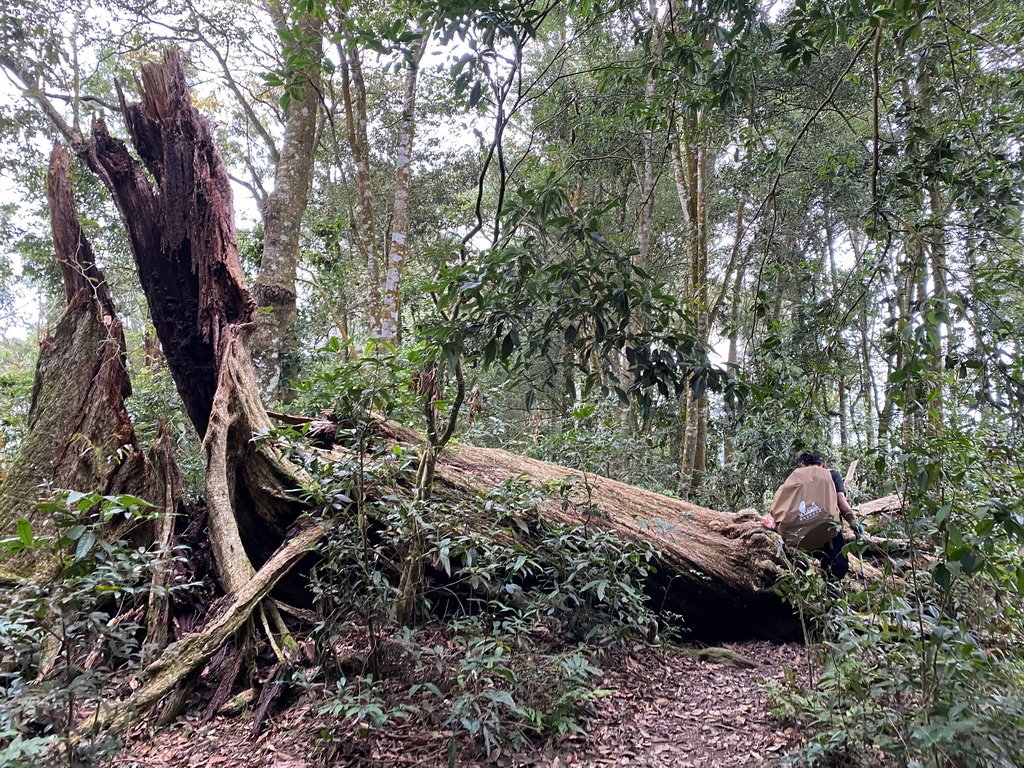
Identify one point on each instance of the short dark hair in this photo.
(811, 459)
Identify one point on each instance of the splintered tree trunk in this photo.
(182, 235)
(80, 436)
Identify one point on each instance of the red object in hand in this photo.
(767, 522)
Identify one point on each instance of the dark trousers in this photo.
(833, 559)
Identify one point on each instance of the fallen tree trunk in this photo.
(880, 512)
(80, 435)
(716, 569)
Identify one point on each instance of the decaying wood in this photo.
(80, 434)
(887, 505)
(157, 614)
(184, 657)
(851, 472)
(180, 225)
(720, 655)
(181, 230)
(227, 681)
(878, 513)
(238, 703)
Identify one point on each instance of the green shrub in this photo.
(73, 642)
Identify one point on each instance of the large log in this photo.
(880, 512)
(716, 569)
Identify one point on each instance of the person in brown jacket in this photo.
(831, 555)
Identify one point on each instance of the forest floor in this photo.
(667, 706)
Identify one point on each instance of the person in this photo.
(831, 555)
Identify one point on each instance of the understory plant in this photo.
(919, 664)
(70, 642)
(516, 610)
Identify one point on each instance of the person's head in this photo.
(811, 459)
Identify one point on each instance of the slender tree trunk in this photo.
(391, 311)
(868, 382)
(841, 391)
(940, 294)
(274, 342)
(733, 355)
(356, 119)
(649, 179)
(692, 169)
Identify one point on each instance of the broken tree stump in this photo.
(80, 435)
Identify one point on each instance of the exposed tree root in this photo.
(158, 611)
(187, 655)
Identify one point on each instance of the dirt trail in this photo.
(667, 707)
(674, 710)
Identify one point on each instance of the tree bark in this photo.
(401, 216)
(353, 89)
(182, 232)
(192, 651)
(80, 436)
(692, 171)
(274, 344)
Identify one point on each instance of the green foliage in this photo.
(507, 588)
(923, 666)
(503, 690)
(17, 360)
(496, 690)
(561, 291)
(72, 643)
(379, 380)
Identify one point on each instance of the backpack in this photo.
(805, 508)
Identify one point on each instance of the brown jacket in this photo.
(805, 508)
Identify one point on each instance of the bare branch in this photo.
(34, 92)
